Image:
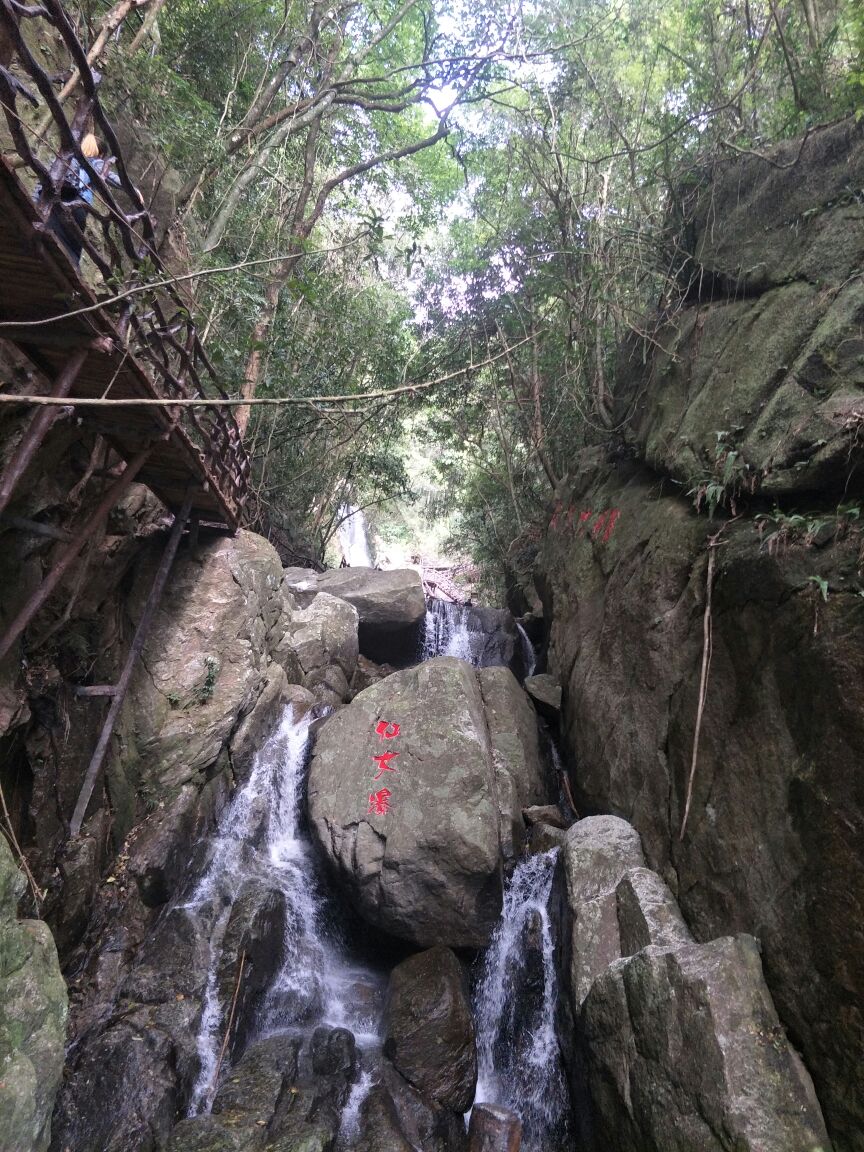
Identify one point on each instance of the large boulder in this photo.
(520, 776)
(756, 382)
(323, 635)
(429, 1029)
(206, 660)
(391, 607)
(683, 1049)
(33, 1010)
(417, 848)
(673, 1044)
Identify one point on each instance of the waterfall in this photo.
(519, 1061)
(260, 841)
(353, 537)
(466, 632)
(529, 656)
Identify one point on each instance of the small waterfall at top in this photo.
(260, 844)
(456, 630)
(353, 537)
(482, 636)
(519, 1061)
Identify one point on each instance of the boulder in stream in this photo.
(429, 1030)
(407, 817)
(391, 607)
(545, 690)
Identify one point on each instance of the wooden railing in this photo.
(156, 324)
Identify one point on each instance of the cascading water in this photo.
(259, 841)
(529, 656)
(519, 1061)
(353, 537)
(472, 634)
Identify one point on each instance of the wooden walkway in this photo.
(132, 339)
(197, 452)
(142, 347)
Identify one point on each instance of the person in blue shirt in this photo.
(77, 192)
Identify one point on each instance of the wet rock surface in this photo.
(33, 1010)
(285, 1094)
(429, 1030)
(428, 869)
(674, 1044)
(494, 1129)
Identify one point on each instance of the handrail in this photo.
(159, 331)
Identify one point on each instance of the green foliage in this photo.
(532, 242)
(779, 529)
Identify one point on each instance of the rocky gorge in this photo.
(350, 873)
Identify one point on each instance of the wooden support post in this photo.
(59, 570)
(131, 660)
(39, 427)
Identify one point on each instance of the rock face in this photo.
(428, 869)
(391, 608)
(429, 1030)
(207, 656)
(283, 1095)
(675, 1045)
(752, 387)
(768, 355)
(782, 858)
(32, 1019)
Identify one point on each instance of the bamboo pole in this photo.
(122, 687)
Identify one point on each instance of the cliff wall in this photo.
(750, 406)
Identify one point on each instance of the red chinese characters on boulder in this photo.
(384, 765)
(380, 801)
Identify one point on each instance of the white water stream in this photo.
(529, 656)
(260, 846)
(519, 1061)
(353, 537)
(259, 840)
